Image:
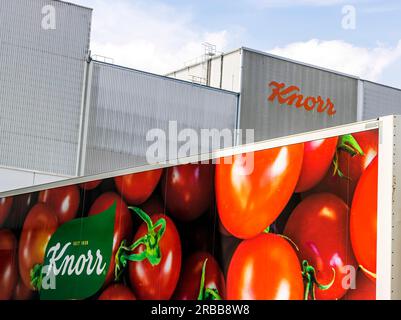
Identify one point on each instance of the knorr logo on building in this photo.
(77, 257)
(291, 96)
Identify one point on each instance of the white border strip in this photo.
(384, 209)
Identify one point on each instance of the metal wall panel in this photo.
(125, 104)
(41, 81)
(231, 79)
(380, 100)
(271, 120)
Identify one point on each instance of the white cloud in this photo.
(367, 63)
(149, 36)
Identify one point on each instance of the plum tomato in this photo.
(350, 166)
(64, 201)
(154, 258)
(40, 224)
(22, 204)
(364, 220)
(188, 190)
(318, 156)
(201, 279)
(265, 268)
(5, 208)
(117, 292)
(319, 227)
(8, 264)
(122, 226)
(249, 201)
(136, 188)
(90, 185)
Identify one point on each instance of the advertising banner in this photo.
(295, 222)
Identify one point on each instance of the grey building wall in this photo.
(41, 82)
(379, 100)
(270, 119)
(124, 104)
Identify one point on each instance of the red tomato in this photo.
(5, 208)
(250, 202)
(64, 201)
(39, 226)
(117, 292)
(136, 188)
(365, 289)
(157, 282)
(265, 268)
(188, 190)
(190, 281)
(8, 264)
(90, 185)
(351, 167)
(122, 225)
(364, 220)
(318, 156)
(21, 292)
(22, 204)
(319, 226)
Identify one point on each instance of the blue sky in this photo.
(160, 36)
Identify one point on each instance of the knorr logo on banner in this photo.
(77, 257)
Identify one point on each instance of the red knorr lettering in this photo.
(291, 96)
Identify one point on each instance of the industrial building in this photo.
(64, 114)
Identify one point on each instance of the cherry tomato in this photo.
(364, 220)
(64, 201)
(265, 268)
(21, 292)
(136, 188)
(8, 264)
(365, 289)
(117, 292)
(248, 202)
(318, 156)
(319, 226)
(190, 281)
(5, 208)
(22, 204)
(122, 226)
(351, 167)
(157, 282)
(39, 226)
(90, 185)
(188, 190)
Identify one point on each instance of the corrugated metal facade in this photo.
(379, 100)
(271, 119)
(125, 104)
(41, 82)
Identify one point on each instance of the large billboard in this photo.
(296, 221)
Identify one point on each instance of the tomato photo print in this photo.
(301, 225)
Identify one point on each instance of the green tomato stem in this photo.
(150, 241)
(36, 276)
(207, 293)
(348, 144)
(309, 275)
